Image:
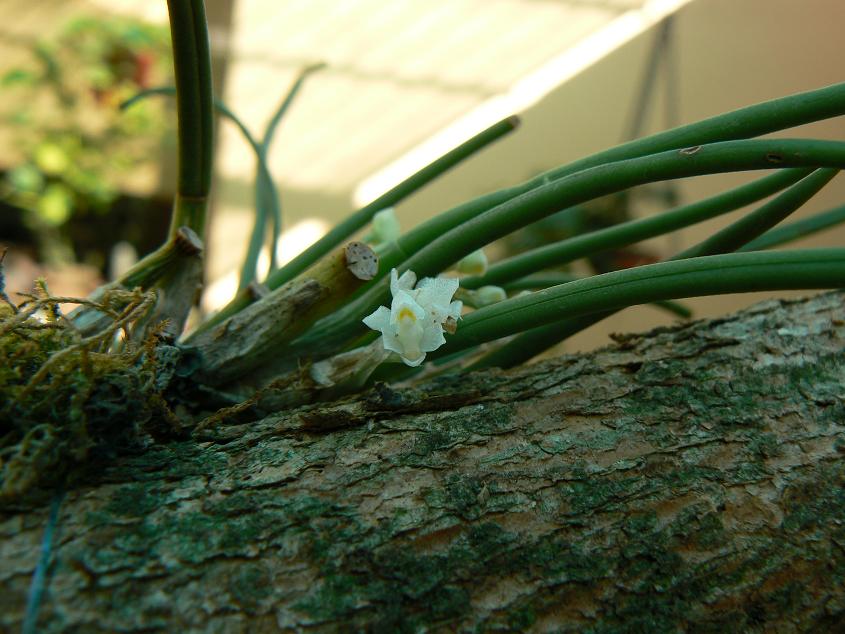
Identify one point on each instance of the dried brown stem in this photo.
(247, 345)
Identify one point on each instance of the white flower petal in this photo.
(437, 290)
(413, 362)
(379, 320)
(404, 283)
(455, 309)
(409, 334)
(432, 338)
(391, 342)
(435, 294)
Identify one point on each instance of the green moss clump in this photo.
(65, 398)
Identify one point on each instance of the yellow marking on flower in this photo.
(406, 313)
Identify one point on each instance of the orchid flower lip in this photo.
(418, 315)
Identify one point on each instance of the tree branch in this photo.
(690, 479)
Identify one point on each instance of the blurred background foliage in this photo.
(76, 152)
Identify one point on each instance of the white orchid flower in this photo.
(414, 323)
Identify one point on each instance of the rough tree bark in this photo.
(690, 479)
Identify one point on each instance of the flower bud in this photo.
(487, 295)
(385, 227)
(473, 264)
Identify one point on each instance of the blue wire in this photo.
(36, 587)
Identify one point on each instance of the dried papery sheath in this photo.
(414, 323)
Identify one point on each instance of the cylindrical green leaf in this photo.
(577, 188)
(754, 224)
(798, 229)
(532, 342)
(751, 121)
(711, 275)
(565, 251)
(192, 64)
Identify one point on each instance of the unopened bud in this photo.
(487, 295)
(473, 264)
(385, 227)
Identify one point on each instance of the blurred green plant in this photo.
(75, 149)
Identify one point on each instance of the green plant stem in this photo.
(266, 196)
(192, 64)
(147, 271)
(158, 91)
(728, 156)
(675, 308)
(284, 106)
(533, 342)
(527, 345)
(796, 230)
(360, 218)
(546, 280)
(745, 123)
(767, 216)
(266, 203)
(155, 269)
(222, 109)
(265, 190)
(711, 275)
(627, 233)
(541, 280)
(751, 121)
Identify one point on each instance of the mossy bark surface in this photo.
(691, 479)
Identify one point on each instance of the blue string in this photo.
(36, 587)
